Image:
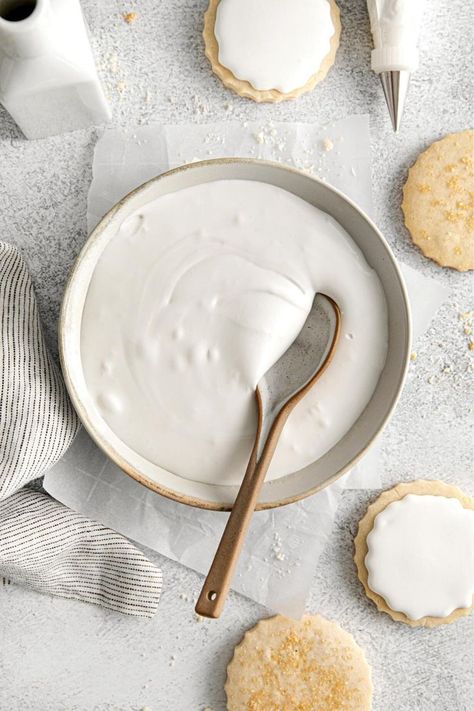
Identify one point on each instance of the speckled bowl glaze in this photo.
(353, 445)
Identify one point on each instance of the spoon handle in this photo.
(216, 586)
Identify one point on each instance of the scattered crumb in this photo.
(269, 136)
(277, 547)
(113, 63)
(172, 661)
(110, 63)
(466, 319)
(328, 145)
(200, 107)
(129, 17)
(431, 379)
(121, 86)
(413, 355)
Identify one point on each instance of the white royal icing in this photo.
(421, 556)
(196, 295)
(273, 44)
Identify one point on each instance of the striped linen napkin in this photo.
(43, 544)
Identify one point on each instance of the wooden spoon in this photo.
(277, 393)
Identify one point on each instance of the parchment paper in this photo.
(282, 551)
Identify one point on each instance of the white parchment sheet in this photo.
(282, 551)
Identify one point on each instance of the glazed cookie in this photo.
(438, 201)
(271, 50)
(415, 553)
(311, 665)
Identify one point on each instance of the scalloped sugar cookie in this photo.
(309, 665)
(391, 552)
(263, 70)
(438, 201)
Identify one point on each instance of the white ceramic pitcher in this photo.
(48, 78)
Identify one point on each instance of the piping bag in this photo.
(395, 26)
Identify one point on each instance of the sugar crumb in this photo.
(277, 547)
(200, 106)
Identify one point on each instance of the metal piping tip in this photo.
(395, 87)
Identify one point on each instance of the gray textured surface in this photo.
(58, 655)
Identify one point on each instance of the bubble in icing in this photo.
(110, 402)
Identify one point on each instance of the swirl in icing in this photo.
(273, 44)
(195, 296)
(421, 556)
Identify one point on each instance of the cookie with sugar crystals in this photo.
(414, 553)
(438, 201)
(310, 665)
(271, 50)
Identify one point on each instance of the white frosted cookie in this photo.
(415, 553)
(271, 50)
(438, 201)
(309, 665)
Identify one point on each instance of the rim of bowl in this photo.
(116, 456)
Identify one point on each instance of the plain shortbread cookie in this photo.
(438, 201)
(309, 665)
(420, 487)
(244, 88)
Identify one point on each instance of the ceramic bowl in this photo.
(352, 446)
